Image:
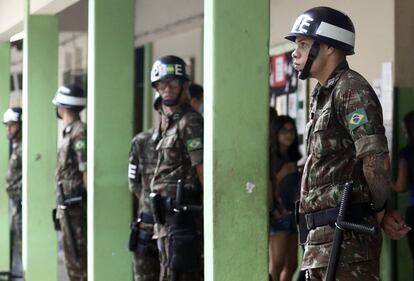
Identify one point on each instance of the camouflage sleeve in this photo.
(79, 146)
(360, 112)
(192, 136)
(134, 175)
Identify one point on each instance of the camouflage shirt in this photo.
(142, 162)
(72, 158)
(180, 149)
(14, 173)
(345, 124)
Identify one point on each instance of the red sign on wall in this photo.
(278, 73)
(283, 77)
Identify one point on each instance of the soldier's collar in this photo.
(176, 115)
(334, 77)
(69, 128)
(156, 133)
(16, 143)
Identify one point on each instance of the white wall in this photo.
(373, 21)
(404, 45)
(49, 7)
(162, 18)
(185, 45)
(11, 18)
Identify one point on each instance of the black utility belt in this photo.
(146, 218)
(310, 221)
(74, 199)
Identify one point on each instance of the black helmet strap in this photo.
(57, 113)
(313, 53)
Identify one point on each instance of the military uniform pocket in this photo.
(171, 150)
(324, 235)
(326, 139)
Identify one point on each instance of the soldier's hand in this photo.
(278, 213)
(394, 225)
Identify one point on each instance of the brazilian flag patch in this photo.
(169, 68)
(357, 118)
(194, 144)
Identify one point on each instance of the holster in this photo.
(140, 239)
(159, 207)
(301, 223)
(133, 236)
(56, 222)
(184, 248)
(164, 208)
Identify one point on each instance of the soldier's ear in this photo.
(330, 49)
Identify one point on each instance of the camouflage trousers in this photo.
(166, 274)
(75, 255)
(16, 240)
(175, 249)
(366, 271)
(146, 267)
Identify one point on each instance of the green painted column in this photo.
(40, 68)
(110, 129)
(236, 63)
(147, 112)
(4, 156)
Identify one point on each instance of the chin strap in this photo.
(175, 101)
(313, 53)
(57, 113)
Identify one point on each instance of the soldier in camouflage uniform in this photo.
(345, 142)
(71, 180)
(12, 120)
(180, 157)
(142, 162)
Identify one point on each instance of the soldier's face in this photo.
(286, 135)
(301, 52)
(11, 130)
(169, 88)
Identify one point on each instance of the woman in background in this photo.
(405, 179)
(284, 191)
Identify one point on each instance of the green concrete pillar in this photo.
(110, 129)
(4, 156)
(40, 68)
(147, 112)
(236, 80)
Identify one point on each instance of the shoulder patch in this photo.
(80, 145)
(194, 144)
(357, 118)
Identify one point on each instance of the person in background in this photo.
(285, 182)
(197, 97)
(12, 119)
(71, 175)
(405, 178)
(178, 176)
(142, 163)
